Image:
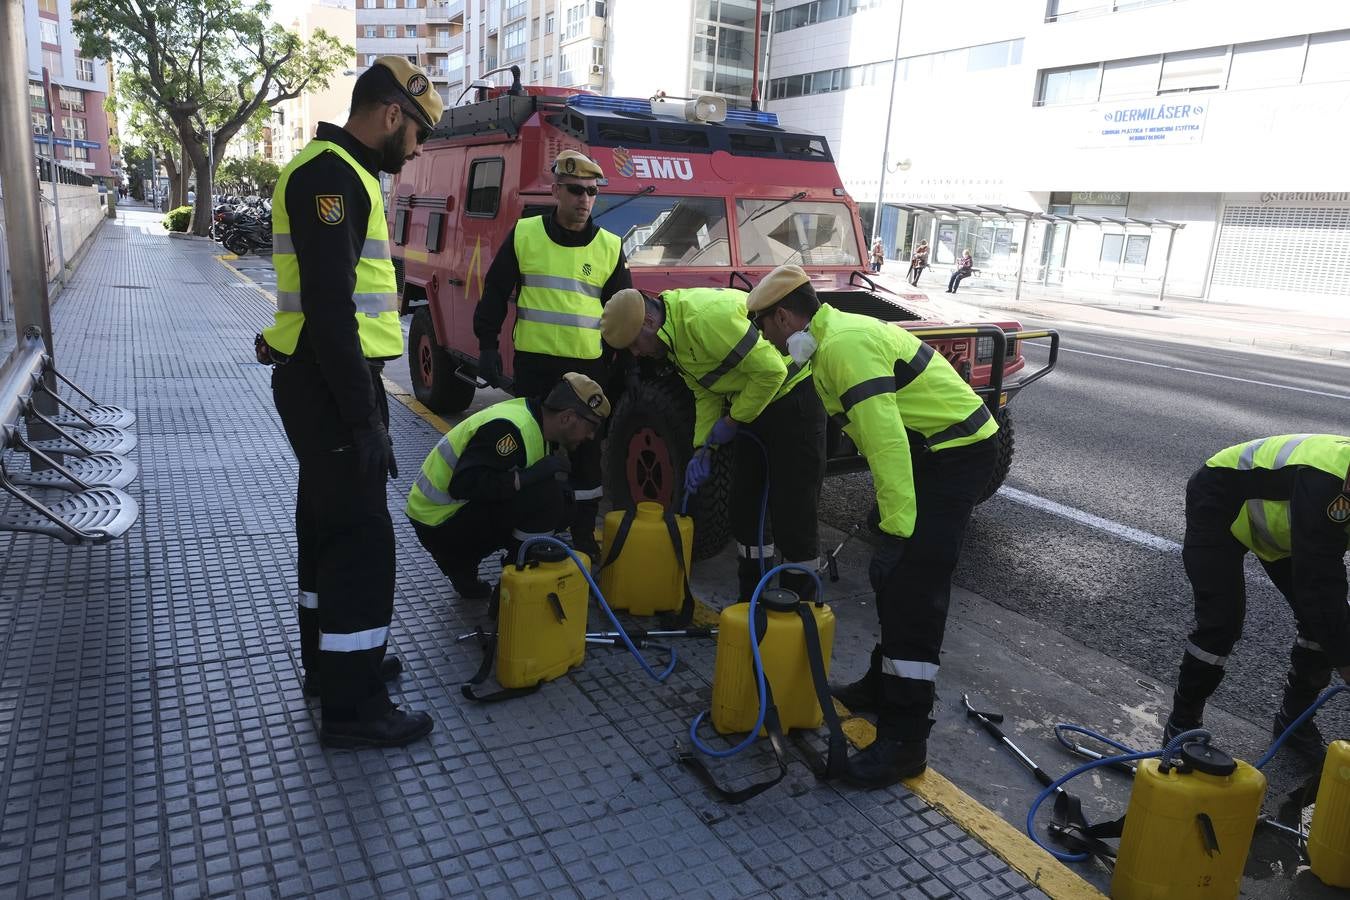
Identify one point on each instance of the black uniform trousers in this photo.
(792, 432)
(912, 601)
(481, 527)
(1214, 564)
(345, 539)
(535, 376)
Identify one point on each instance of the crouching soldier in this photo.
(498, 478)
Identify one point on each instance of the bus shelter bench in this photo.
(78, 469)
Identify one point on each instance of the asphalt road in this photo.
(1114, 433)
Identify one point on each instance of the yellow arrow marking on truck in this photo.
(476, 267)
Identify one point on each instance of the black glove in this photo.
(548, 467)
(490, 366)
(885, 559)
(374, 450)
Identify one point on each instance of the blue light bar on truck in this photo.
(634, 105)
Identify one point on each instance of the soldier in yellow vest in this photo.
(494, 480)
(1287, 500)
(563, 268)
(336, 324)
(930, 443)
(742, 386)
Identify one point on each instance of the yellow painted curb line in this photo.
(1005, 841)
(402, 396)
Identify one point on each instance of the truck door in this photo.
(482, 226)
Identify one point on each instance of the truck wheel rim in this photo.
(424, 359)
(651, 474)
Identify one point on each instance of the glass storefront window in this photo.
(667, 231)
(804, 233)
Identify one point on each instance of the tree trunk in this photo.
(201, 210)
(175, 183)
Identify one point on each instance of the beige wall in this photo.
(304, 113)
(81, 211)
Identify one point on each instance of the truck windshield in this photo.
(667, 231)
(804, 233)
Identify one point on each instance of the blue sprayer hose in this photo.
(595, 589)
(759, 669)
(1166, 753)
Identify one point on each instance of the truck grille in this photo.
(865, 303)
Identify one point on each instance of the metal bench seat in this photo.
(103, 439)
(72, 416)
(78, 473)
(94, 516)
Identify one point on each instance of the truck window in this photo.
(801, 232)
(401, 217)
(435, 228)
(485, 188)
(667, 231)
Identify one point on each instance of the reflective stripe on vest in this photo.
(1262, 525)
(429, 501)
(376, 294)
(558, 307)
(732, 359)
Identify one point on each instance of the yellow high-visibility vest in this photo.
(1263, 525)
(430, 502)
(558, 306)
(376, 293)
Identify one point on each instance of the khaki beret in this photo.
(415, 85)
(774, 287)
(578, 165)
(579, 394)
(621, 319)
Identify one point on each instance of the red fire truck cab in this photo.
(699, 196)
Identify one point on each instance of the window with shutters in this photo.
(1300, 249)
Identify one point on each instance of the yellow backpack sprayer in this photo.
(541, 615)
(1192, 812)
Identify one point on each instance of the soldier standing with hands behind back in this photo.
(336, 324)
(564, 268)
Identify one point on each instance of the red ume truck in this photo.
(700, 196)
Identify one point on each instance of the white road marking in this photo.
(1140, 362)
(1124, 532)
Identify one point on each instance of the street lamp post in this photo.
(886, 142)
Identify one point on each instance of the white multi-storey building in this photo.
(1226, 116)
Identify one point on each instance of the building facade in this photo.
(618, 47)
(79, 87)
(1215, 115)
(293, 121)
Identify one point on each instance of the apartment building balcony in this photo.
(444, 10)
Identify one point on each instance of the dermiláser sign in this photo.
(1139, 123)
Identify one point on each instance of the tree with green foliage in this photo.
(207, 67)
(251, 176)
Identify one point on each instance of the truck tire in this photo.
(649, 445)
(432, 370)
(1005, 454)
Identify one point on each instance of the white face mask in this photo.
(801, 345)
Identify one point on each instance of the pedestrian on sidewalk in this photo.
(963, 267)
(493, 481)
(1287, 500)
(893, 388)
(878, 255)
(336, 324)
(918, 261)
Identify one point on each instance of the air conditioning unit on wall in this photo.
(597, 69)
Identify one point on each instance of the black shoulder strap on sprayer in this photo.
(1070, 828)
(772, 725)
(836, 754)
(686, 614)
(489, 644)
(620, 536)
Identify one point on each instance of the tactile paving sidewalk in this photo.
(154, 739)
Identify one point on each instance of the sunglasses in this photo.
(423, 132)
(576, 190)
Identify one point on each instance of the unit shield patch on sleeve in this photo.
(507, 445)
(331, 209)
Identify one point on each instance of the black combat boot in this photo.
(863, 695)
(899, 752)
(390, 668)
